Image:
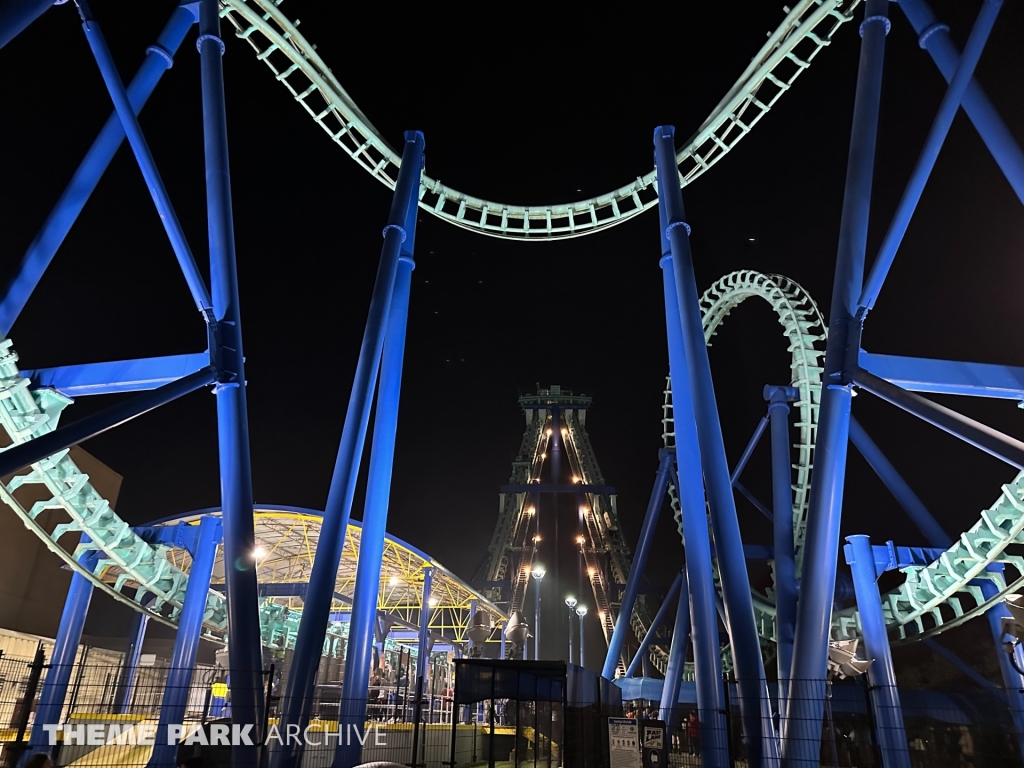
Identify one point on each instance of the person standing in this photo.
(693, 733)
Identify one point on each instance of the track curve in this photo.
(27, 414)
(935, 597)
(294, 62)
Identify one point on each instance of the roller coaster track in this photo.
(25, 415)
(127, 560)
(294, 62)
(933, 598)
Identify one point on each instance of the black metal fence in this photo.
(949, 728)
(111, 713)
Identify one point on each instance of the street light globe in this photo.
(581, 611)
(538, 573)
(571, 602)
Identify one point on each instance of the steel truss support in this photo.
(378, 494)
(898, 487)
(676, 656)
(245, 652)
(970, 431)
(133, 653)
(186, 643)
(947, 377)
(37, 258)
(1012, 679)
(741, 465)
(749, 450)
(117, 377)
(690, 484)
(636, 572)
(298, 695)
(24, 454)
(710, 460)
(65, 651)
(784, 555)
(806, 699)
(929, 153)
(885, 697)
(656, 622)
(130, 123)
(934, 37)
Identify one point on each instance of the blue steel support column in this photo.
(16, 15)
(934, 38)
(676, 655)
(423, 652)
(885, 696)
(157, 190)
(930, 152)
(37, 258)
(659, 617)
(131, 662)
(739, 608)
(690, 484)
(18, 456)
(785, 561)
(636, 571)
(186, 643)
(245, 652)
(1012, 679)
(298, 693)
(62, 660)
(898, 487)
(804, 710)
(378, 489)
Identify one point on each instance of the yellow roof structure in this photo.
(286, 541)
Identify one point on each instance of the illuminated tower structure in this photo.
(556, 429)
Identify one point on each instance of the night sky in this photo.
(520, 107)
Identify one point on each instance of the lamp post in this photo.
(580, 540)
(538, 576)
(571, 602)
(581, 611)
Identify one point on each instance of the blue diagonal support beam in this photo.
(970, 431)
(41, 251)
(934, 37)
(636, 571)
(898, 487)
(23, 454)
(656, 622)
(947, 377)
(118, 376)
(16, 15)
(130, 123)
(299, 687)
(929, 152)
